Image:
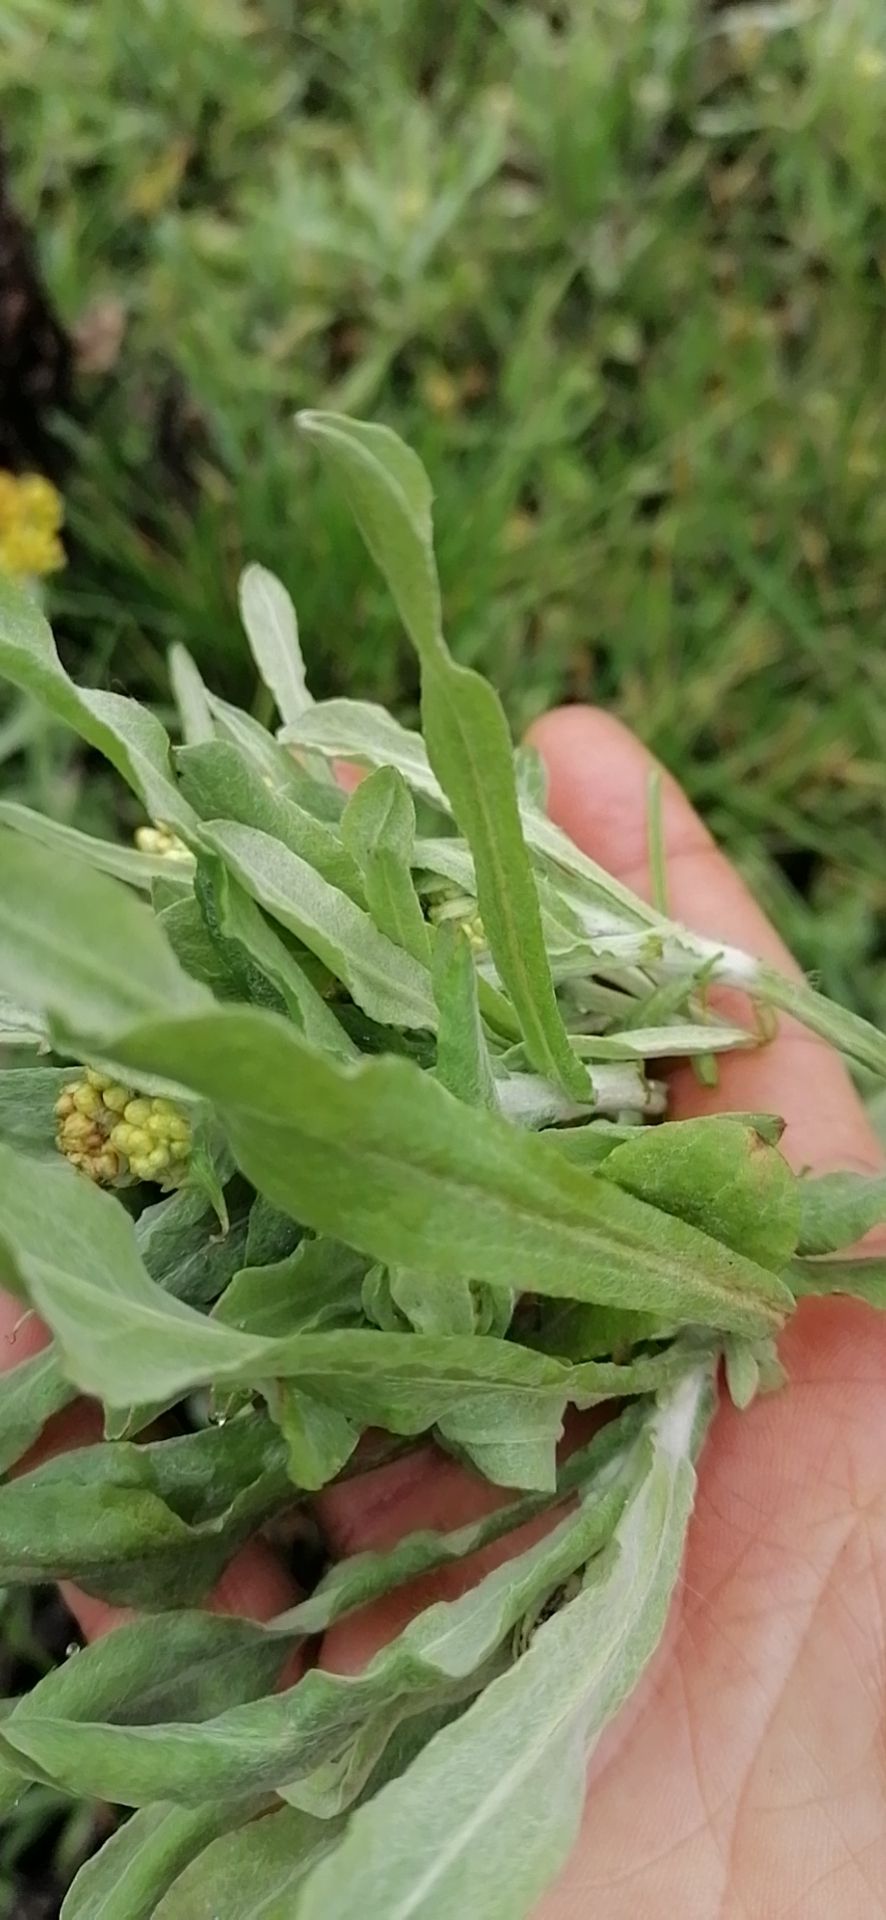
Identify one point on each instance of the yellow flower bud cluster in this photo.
(161, 842)
(463, 910)
(31, 514)
(113, 1133)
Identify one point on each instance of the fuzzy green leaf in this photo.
(386, 982)
(359, 731)
(319, 1439)
(261, 949)
(148, 1526)
(463, 1064)
(223, 783)
(861, 1279)
(466, 1813)
(255, 1871)
(718, 1175)
(271, 626)
(128, 735)
(282, 771)
(205, 958)
(192, 1666)
(182, 1249)
(279, 1742)
(118, 971)
(27, 1106)
(316, 1286)
(419, 1180)
(468, 742)
(189, 693)
(378, 825)
(123, 863)
(272, 1235)
(839, 1208)
(142, 1860)
(742, 1372)
(30, 1393)
(433, 1305)
(364, 1577)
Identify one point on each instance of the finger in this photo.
(420, 1491)
(253, 1587)
(599, 775)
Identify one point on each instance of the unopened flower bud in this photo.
(160, 841)
(115, 1097)
(113, 1134)
(87, 1100)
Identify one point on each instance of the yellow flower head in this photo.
(31, 513)
(114, 1134)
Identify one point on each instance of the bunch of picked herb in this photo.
(332, 1132)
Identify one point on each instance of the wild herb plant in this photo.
(332, 1131)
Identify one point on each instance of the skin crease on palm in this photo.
(746, 1779)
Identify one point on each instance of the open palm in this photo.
(747, 1778)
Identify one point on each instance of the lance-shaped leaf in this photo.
(416, 1179)
(255, 1871)
(354, 1582)
(123, 863)
(283, 772)
(190, 696)
(142, 1860)
(193, 1665)
(316, 1286)
(463, 1064)
(261, 949)
(681, 1040)
(281, 1741)
(126, 1340)
(356, 730)
(386, 982)
(128, 735)
(468, 742)
(839, 1208)
(27, 1106)
(718, 1174)
(148, 1526)
(466, 1813)
(30, 1393)
(861, 1279)
(368, 735)
(271, 626)
(223, 783)
(378, 825)
(117, 963)
(179, 1242)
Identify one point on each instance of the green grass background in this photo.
(615, 267)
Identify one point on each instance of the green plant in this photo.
(614, 269)
(408, 1035)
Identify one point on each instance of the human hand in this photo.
(747, 1777)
